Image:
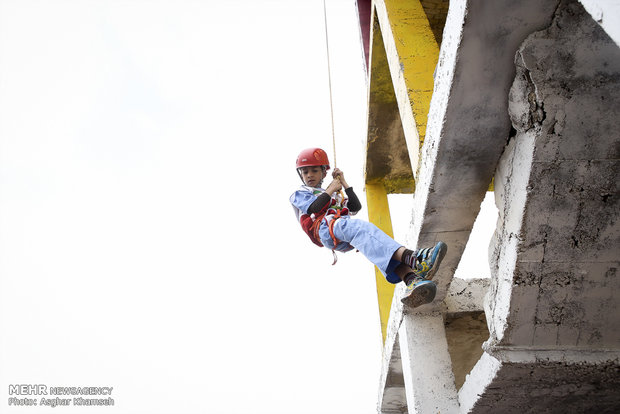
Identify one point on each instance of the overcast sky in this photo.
(147, 153)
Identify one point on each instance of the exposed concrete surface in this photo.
(392, 398)
(556, 248)
(552, 307)
(392, 401)
(427, 367)
(467, 129)
(468, 120)
(466, 295)
(465, 333)
(552, 387)
(542, 382)
(552, 315)
(477, 381)
(607, 14)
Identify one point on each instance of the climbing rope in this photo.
(329, 77)
(331, 111)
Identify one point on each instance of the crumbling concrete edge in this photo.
(494, 358)
(477, 381)
(606, 14)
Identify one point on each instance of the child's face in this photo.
(312, 176)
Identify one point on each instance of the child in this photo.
(325, 216)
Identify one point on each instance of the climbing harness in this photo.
(335, 214)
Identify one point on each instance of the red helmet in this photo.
(312, 157)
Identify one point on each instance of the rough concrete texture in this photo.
(555, 256)
(607, 14)
(468, 120)
(427, 367)
(552, 387)
(552, 309)
(436, 12)
(465, 333)
(392, 398)
(466, 295)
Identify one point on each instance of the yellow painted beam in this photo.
(387, 153)
(379, 215)
(418, 53)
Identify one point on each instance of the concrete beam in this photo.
(468, 121)
(607, 14)
(552, 309)
(427, 367)
(555, 257)
(404, 56)
(391, 363)
(388, 154)
(412, 54)
(392, 397)
(468, 126)
(468, 118)
(466, 295)
(379, 215)
(545, 381)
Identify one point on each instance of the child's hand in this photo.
(339, 175)
(334, 187)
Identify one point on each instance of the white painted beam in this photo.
(427, 367)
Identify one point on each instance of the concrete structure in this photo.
(526, 93)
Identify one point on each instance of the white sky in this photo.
(147, 154)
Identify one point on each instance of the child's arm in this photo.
(324, 200)
(339, 175)
(354, 203)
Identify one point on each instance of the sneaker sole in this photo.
(443, 249)
(420, 295)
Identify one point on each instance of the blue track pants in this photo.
(373, 243)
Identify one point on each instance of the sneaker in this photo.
(428, 260)
(419, 292)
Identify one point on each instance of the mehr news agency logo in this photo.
(78, 396)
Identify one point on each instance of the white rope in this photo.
(329, 77)
(331, 103)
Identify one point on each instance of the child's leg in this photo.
(406, 256)
(405, 273)
(373, 243)
(423, 262)
(383, 251)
